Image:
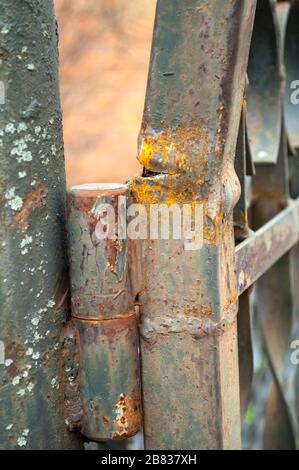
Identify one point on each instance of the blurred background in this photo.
(104, 54)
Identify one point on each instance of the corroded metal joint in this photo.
(104, 332)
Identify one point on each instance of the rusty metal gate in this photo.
(159, 337)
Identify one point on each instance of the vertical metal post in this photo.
(188, 138)
(33, 262)
(108, 403)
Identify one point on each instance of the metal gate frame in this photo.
(205, 128)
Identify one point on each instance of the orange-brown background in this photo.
(104, 53)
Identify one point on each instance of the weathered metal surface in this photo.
(99, 268)
(242, 231)
(104, 316)
(32, 192)
(188, 298)
(291, 54)
(266, 246)
(264, 91)
(241, 224)
(274, 299)
(189, 305)
(245, 351)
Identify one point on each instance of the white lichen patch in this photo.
(42, 310)
(30, 66)
(22, 174)
(50, 303)
(14, 202)
(29, 352)
(20, 149)
(35, 321)
(22, 127)
(9, 427)
(10, 128)
(16, 380)
(36, 355)
(8, 362)
(21, 392)
(37, 337)
(22, 442)
(30, 387)
(5, 29)
(26, 241)
(54, 382)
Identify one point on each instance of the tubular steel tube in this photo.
(32, 238)
(189, 355)
(259, 252)
(103, 313)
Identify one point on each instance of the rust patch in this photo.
(111, 249)
(178, 151)
(15, 352)
(127, 421)
(116, 325)
(34, 200)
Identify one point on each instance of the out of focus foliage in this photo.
(104, 55)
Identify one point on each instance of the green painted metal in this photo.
(189, 133)
(32, 233)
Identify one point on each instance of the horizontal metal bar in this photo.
(259, 252)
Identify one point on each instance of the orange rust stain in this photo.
(168, 191)
(175, 151)
(145, 192)
(34, 200)
(112, 248)
(117, 325)
(204, 311)
(211, 229)
(128, 416)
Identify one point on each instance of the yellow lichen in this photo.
(174, 151)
